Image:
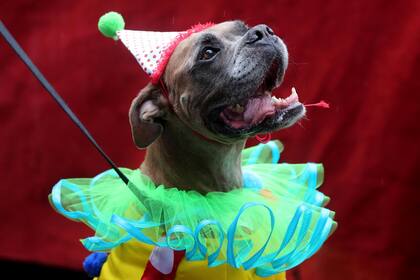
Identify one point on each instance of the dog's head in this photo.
(219, 82)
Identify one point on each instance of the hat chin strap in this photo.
(164, 91)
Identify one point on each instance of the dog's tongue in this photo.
(258, 109)
(254, 112)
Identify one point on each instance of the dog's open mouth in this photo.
(255, 110)
(258, 111)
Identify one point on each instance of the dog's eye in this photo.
(208, 53)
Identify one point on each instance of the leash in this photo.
(57, 98)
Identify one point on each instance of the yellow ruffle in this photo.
(129, 260)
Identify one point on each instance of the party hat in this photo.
(152, 49)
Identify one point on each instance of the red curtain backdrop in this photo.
(360, 56)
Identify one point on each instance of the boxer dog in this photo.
(215, 93)
(219, 82)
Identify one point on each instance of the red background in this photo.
(361, 56)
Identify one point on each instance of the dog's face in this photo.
(220, 82)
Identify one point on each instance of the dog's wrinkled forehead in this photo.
(226, 33)
(229, 29)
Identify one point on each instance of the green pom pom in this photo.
(110, 23)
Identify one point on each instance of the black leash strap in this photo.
(51, 91)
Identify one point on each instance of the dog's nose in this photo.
(259, 32)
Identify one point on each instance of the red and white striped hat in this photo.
(151, 49)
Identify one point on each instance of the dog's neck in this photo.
(182, 159)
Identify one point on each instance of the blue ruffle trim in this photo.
(266, 265)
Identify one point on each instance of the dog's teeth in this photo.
(276, 100)
(293, 96)
(237, 108)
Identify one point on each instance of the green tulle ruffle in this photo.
(272, 224)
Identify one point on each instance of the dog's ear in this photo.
(146, 114)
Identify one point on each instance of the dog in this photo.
(219, 82)
(215, 93)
